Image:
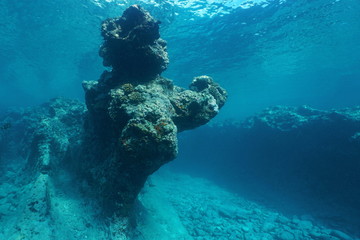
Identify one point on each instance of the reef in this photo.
(134, 114)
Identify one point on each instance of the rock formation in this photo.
(301, 153)
(133, 47)
(134, 114)
(43, 134)
(33, 153)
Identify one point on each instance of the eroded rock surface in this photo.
(35, 149)
(134, 113)
(132, 45)
(42, 135)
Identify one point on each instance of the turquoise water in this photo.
(274, 52)
(265, 53)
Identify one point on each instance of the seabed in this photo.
(171, 206)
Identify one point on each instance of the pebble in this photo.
(341, 235)
(267, 236)
(305, 225)
(286, 236)
(268, 227)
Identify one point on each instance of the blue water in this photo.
(265, 53)
(281, 52)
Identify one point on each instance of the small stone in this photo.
(340, 234)
(307, 225)
(321, 236)
(282, 219)
(295, 220)
(250, 236)
(199, 232)
(267, 236)
(286, 236)
(268, 227)
(242, 214)
(226, 213)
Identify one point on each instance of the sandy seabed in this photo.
(171, 206)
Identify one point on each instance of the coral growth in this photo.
(134, 113)
(132, 45)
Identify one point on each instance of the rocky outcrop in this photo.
(134, 113)
(317, 151)
(35, 147)
(42, 135)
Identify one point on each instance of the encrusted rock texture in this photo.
(35, 147)
(129, 129)
(132, 45)
(134, 114)
(42, 135)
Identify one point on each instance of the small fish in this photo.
(5, 126)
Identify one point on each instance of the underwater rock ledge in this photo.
(295, 152)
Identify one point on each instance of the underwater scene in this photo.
(180, 120)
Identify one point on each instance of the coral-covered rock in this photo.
(132, 45)
(42, 135)
(134, 113)
(37, 146)
(198, 105)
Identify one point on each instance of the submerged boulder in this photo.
(134, 114)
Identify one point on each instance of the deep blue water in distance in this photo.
(280, 52)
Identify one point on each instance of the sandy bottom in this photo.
(171, 206)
